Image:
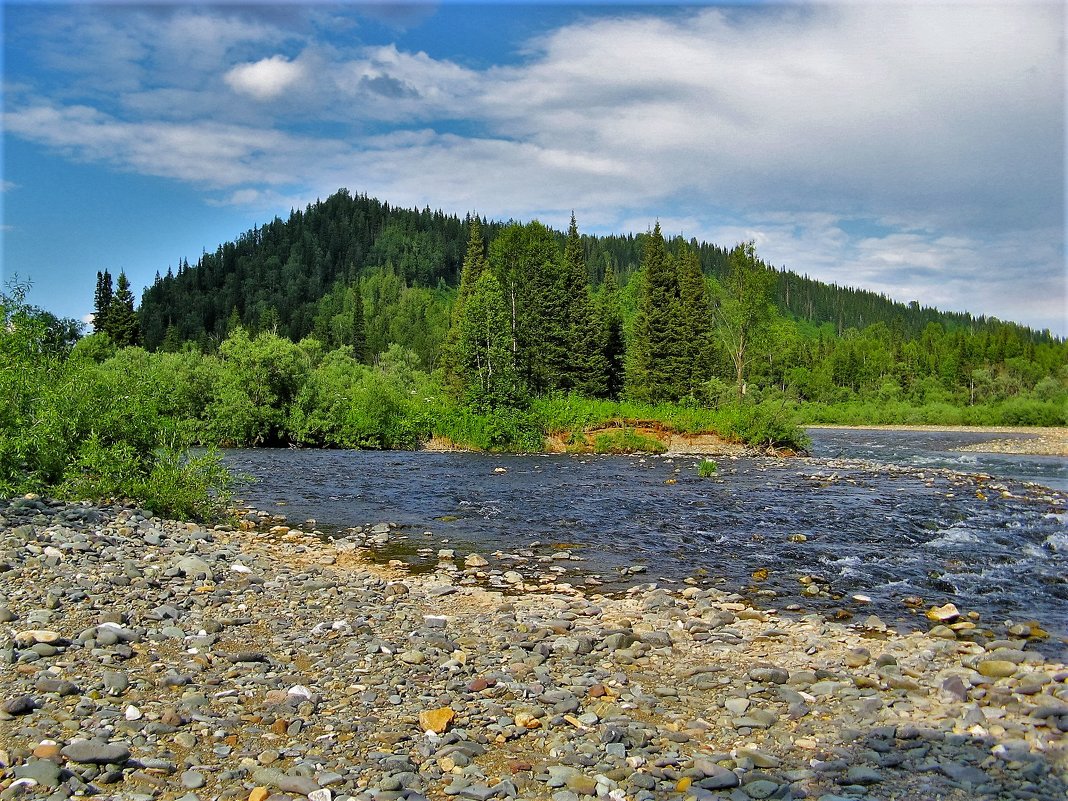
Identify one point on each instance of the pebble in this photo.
(144, 665)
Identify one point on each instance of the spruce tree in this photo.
(610, 312)
(121, 321)
(658, 349)
(695, 319)
(474, 265)
(474, 262)
(102, 301)
(586, 369)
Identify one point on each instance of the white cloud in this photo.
(942, 125)
(266, 79)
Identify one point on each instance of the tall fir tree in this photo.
(586, 370)
(474, 261)
(695, 317)
(474, 265)
(102, 298)
(658, 349)
(610, 311)
(122, 325)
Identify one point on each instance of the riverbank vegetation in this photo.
(76, 427)
(356, 325)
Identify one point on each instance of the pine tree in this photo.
(474, 266)
(610, 312)
(121, 320)
(653, 367)
(586, 370)
(695, 319)
(102, 301)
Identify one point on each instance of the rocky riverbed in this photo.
(145, 658)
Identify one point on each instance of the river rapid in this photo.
(882, 514)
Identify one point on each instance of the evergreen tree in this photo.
(474, 263)
(610, 312)
(358, 335)
(694, 318)
(121, 320)
(586, 370)
(171, 343)
(474, 266)
(526, 261)
(102, 300)
(658, 351)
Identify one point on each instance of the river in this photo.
(884, 514)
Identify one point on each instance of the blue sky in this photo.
(913, 149)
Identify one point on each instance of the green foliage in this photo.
(656, 357)
(500, 429)
(707, 468)
(627, 440)
(77, 428)
(186, 486)
(484, 357)
(744, 308)
(97, 348)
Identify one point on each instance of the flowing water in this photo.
(883, 514)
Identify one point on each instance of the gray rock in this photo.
(193, 567)
(43, 771)
(761, 788)
(273, 777)
(20, 705)
(718, 777)
(769, 675)
(97, 752)
(860, 774)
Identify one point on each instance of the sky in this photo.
(914, 149)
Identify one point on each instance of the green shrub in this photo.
(186, 486)
(707, 468)
(627, 440)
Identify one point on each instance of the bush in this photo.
(707, 468)
(79, 429)
(627, 440)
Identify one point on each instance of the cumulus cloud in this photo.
(265, 79)
(915, 149)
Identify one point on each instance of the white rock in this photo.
(133, 713)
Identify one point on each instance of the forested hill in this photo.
(280, 276)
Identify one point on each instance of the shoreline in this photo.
(1022, 440)
(251, 663)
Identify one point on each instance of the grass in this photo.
(707, 468)
(627, 440)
